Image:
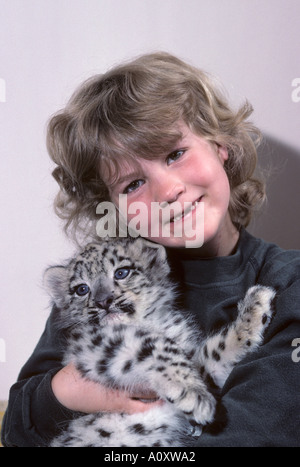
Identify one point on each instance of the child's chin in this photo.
(178, 242)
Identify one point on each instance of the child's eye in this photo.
(174, 156)
(133, 186)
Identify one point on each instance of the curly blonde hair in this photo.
(133, 111)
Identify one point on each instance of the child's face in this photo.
(192, 174)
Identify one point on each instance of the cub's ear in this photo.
(159, 250)
(55, 282)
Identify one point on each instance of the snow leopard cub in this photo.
(116, 302)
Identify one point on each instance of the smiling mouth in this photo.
(187, 211)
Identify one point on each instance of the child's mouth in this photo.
(187, 211)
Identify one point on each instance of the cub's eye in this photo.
(82, 289)
(121, 273)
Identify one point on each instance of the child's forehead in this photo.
(114, 171)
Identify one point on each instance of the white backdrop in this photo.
(47, 47)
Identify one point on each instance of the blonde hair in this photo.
(133, 111)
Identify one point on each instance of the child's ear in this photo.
(55, 281)
(222, 153)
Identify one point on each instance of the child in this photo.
(158, 130)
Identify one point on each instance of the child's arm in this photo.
(35, 414)
(261, 396)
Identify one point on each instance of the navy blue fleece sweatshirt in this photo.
(261, 397)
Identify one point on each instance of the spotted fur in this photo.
(116, 302)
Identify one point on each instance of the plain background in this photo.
(47, 47)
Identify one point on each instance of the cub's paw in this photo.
(255, 314)
(197, 404)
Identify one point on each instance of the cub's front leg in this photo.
(126, 357)
(220, 352)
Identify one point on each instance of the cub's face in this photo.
(108, 281)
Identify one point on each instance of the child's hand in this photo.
(79, 394)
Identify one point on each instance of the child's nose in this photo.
(169, 190)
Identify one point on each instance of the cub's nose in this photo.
(104, 302)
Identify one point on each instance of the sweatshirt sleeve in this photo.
(260, 399)
(34, 416)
